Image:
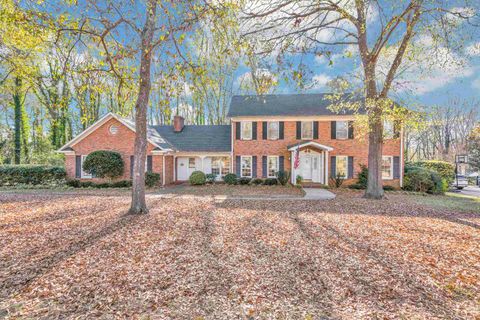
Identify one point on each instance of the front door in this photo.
(185, 167)
(306, 164)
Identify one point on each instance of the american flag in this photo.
(296, 160)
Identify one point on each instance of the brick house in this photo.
(294, 132)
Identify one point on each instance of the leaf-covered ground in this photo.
(78, 256)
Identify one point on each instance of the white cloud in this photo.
(473, 49)
(320, 81)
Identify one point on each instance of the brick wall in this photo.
(122, 142)
(357, 147)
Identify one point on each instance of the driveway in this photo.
(471, 191)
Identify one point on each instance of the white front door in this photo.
(185, 167)
(306, 165)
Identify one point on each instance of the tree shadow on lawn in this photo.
(353, 203)
(16, 280)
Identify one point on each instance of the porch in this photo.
(218, 164)
(310, 161)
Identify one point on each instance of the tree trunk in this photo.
(17, 103)
(375, 141)
(139, 205)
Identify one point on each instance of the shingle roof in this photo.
(284, 105)
(197, 138)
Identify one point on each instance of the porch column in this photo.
(326, 168)
(202, 158)
(293, 175)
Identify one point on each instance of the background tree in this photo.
(282, 27)
(474, 148)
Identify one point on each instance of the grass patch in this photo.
(451, 201)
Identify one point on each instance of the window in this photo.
(341, 166)
(273, 130)
(307, 130)
(246, 130)
(388, 129)
(387, 167)
(225, 165)
(191, 163)
(85, 175)
(272, 166)
(113, 129)
(216, 165)
(342, 130)
(246, 166)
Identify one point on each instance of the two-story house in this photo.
(292, 132)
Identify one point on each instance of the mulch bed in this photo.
(80, 256)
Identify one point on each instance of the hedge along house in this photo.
(293, 132)
(172, 151)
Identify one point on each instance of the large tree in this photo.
(383, 33)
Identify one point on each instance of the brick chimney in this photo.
(178, 123)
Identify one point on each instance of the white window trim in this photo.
(83, 174)
(278, 165)
(392, 133)
(278, 130)
(336, 130)
(251, 166)
(336, 166)
(391, 168)
(302, 136)
(241, 130)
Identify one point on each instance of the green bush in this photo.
(283, 177)
(211, 177)
(104, 164)
(270, 182)
(298, 179)
(257, 181)
(197, 178)
(122, 184)
(230, 178)
(11, 175)
(356, 186)
(338, 180)
(388, 188)
(421, 179)
(446, 170)
(152, 179)
(363, 177)
(244, 180)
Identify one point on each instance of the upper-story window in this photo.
(388, 130)
(342, 130)
(273, 129)
(307, 130)
(246, 130)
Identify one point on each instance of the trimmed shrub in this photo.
(298, 179)
(270, 182)
(197, 178)
(122, 184)
(356, 186)
(211, 177)
(420, 179)
(388, 188)
(11, 175)
(230, 178)
(152, 179)
(257, 181)
(446, 170)
(244, 180)
(75, 183)
(283, 177)
(104, 164)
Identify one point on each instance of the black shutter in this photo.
(264, 166)
(333, 166)
(350, 129)
(237, 130)
(281, 163)
(254, 166)
(333, 126)
(78, 166)
(299, 130)
(264, 130)
(281, 129)
(350, 168)
(396, 167)
(254, 130)
(237, 164)
(132, 160)
(396, 129)
(315, 129)
(149, 163)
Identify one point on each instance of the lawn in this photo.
(76, 255)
